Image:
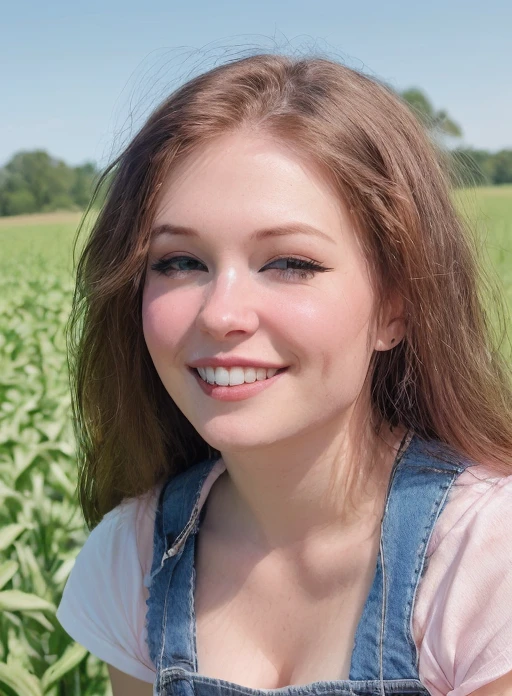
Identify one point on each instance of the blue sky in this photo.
(78, 77)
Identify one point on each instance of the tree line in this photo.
(472, 167)
(36, 182)
(467, 166)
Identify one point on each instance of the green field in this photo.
(41, 529)
(489, 212)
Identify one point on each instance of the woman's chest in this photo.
(265, 624)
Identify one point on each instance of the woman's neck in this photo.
(318, 488)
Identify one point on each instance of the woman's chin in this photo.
(233, 441)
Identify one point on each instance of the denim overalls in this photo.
(384, 658)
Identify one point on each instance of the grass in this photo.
(41, 529)
(489, 212)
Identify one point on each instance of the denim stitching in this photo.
(383, 617)
(192, 610)
(420, 562)
(164, 632)
(187, 527)
(404, 446)
(183, 535)
(296, 690)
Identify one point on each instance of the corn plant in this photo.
(41, 528)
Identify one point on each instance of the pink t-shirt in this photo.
(462, 621)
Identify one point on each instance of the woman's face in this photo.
(239, 214)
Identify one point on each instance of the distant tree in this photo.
(42, 177)
(36, 182)
(434, 121)
(481, 168)
(18, 202)
(471, 167)
(502, 162)
(81, 190)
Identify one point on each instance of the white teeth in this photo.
(250, 374)
(221, 376)
(235, 375)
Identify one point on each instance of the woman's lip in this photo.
(233, 361)
(238, 392)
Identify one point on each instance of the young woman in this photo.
(295, 433)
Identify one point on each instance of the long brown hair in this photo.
(446, 380)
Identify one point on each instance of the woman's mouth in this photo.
(235, 383)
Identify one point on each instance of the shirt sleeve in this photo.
(103, 605)
(464, 619)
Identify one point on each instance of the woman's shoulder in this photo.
(130, 524)
(111, 623)
(139, 514)
(478, 496)
(463, 611)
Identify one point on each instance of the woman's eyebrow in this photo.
(278, 231)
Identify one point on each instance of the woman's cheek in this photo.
(159, 321)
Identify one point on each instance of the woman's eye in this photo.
(176, 264)
(288, 267)
(292, 267)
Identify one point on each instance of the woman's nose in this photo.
(229, 306)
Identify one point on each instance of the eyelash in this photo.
(302, 269)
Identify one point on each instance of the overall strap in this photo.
(177, 516)
(384, 647)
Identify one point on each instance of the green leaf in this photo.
(9, 534)
(60, 479)
(19, 680)
(32, 568)
(63, 572)
(6, 491)
(41, 619)
(7, 571)
(15, 600)
(71, 657)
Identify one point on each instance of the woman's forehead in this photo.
(248, 176)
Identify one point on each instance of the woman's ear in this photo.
(392, 324)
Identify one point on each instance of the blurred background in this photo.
(78, 81)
